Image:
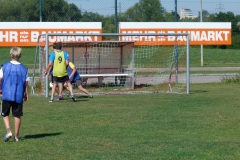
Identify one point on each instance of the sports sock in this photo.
(8, 130)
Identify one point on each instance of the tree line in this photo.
(142, 11)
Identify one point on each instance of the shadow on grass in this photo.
(83, 96)
(40, 135)
(70, 100)
(198, 91)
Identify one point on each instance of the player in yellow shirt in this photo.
(59, 61)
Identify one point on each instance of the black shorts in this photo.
(78, 82)
(17, 108)
(60, 79)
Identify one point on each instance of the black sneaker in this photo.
(73, 98)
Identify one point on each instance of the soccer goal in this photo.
(126, 64)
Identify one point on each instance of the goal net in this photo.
(125, 66)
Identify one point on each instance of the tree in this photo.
(28, 11)
(91, 17)
(186, 19)
(54, 10)
(205, 16)
(146, 11)
(73, 14)
(226, 17)
(132, 14)
(170, 16)
(109, 26)
(9, 11)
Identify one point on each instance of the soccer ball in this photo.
(50, 84)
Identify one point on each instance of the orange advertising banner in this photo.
(27, 35)
(202, 34)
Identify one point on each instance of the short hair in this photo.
(15, 53)
(57, 45)
(54, 45)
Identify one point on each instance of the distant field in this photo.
(215, 57)
(28, 55)
(212, 57)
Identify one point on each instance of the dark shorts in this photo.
(60, 79)
(51, 78)
(78, 82)
(17, 108)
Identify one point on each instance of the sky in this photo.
(107, 7)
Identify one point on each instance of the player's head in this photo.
(15, 53)
(57, 45)
(54, 45)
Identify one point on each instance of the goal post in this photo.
(133, 64)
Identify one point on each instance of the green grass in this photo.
(215, 72)
(213, 57)
(195, 72)
(201, 125)
(28, 56)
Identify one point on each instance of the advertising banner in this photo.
(201, 33)
(26, 33)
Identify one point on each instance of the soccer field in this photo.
(201, 125)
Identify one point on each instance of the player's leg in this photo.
(17, 113)
(5, 113)
(53, 91)
(71, 90)
(17, 124)
(53, 88)
(7, 126)
(57, 90)
(60, 90)
(69, 86)
(66, 86)
(79, 84)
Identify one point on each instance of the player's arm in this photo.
(67, 63)
(1, 75)
(66, 56)
(50, 65)
(26, 92)
(73, 71)
(26, 88)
